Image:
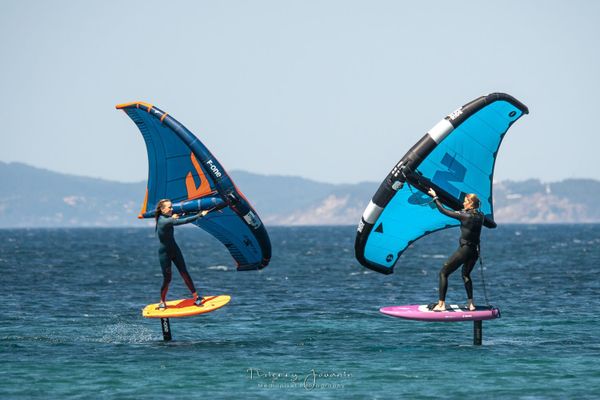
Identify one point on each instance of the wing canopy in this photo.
(183, 170)
(456, 157)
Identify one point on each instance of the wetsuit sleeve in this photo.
(489, 224)
(185, 220)
(448, 213)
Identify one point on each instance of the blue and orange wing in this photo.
(182, 169)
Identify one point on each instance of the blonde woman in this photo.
(169, 252)
(471, 221)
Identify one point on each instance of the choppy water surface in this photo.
(307, 325)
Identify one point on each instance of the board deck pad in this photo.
(453, 313)
(185, 307)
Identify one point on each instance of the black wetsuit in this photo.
(467, 253)
(168, 252)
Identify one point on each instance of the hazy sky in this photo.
(335, 91)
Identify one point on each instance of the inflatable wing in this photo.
(183, 170)
(454, 158)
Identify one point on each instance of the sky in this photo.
(334, 91)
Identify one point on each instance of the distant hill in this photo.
(34, 197)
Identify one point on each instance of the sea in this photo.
(307, 326)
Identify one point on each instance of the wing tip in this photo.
(383, 269)
(135, 104)
(511, 99)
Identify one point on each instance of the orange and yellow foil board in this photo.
(185, 307)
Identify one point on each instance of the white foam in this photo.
(219, 267)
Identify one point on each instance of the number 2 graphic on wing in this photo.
(455, 173)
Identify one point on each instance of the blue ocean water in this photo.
(306, 326)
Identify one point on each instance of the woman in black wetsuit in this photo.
(471, 221)
(168, 250)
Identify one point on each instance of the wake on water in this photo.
(127, 333)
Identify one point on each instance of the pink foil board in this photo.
(453, 313)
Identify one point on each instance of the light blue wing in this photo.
(456, 157)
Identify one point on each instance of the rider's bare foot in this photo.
(470, 305)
